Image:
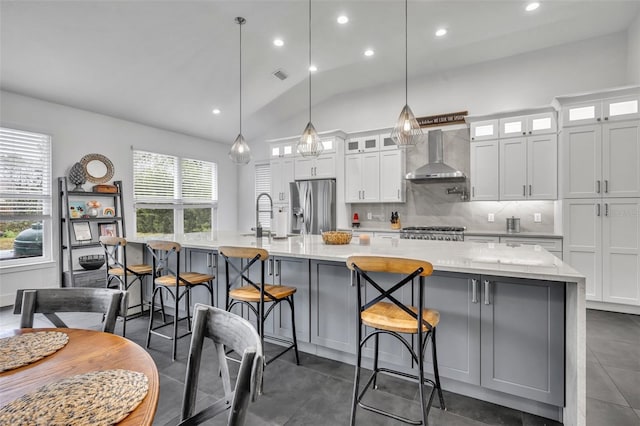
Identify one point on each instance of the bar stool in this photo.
(169, 279)
(387, 315)
(257, 293)
(115, 254)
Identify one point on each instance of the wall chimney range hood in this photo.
(436, 169)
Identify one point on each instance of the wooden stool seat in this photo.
(250, 294)
(387, 316)
(141, 269)
(190, 278)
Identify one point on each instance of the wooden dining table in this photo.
(86, 351)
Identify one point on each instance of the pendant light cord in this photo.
(309, 61)
(406, 55)
(240, 22)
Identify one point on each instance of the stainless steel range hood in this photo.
(436, 169)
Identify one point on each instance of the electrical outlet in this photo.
(369, 216)
(537, 217)
(491, 217)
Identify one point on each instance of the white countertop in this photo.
(527, 234)
(466, 257)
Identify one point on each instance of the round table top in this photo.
(86, 351)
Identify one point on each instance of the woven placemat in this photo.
(96, 398)
(23, 349)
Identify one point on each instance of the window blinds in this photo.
(263, 184)
(199, 181)
(25, 175)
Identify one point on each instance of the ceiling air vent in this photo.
(281, 74)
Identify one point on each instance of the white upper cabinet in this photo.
(484, 130)
(601, 110)
(362, 173)
(281, 176)
(528, 125)
(361, 144)
(321, 167)
(542, 167)
(513, 169)
(392, 182)
(484, 171)
(283, 150)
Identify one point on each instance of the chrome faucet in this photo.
(258, 211)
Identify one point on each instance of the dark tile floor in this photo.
(318, 392)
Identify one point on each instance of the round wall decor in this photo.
(98, 168)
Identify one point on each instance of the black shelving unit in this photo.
(69, 246)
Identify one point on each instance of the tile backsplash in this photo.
(430, 204)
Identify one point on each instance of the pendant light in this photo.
(407, 131)
(240, 152)
(309, 144)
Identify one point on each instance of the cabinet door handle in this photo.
(524, 190)
(598, 119)
(598, 209)
(278, 267)
(487, 288)
(363, 194)
(530, 190)
(606, 209)
(606, 118)
(269, 272)
(474, 290)
(606, 186)
(351, 278)
(598, 186)
(473, 191)
(398, 194)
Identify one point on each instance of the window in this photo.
(25, 197)
(174, 195)
(263, 184)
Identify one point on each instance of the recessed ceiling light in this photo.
(343, 19)
(278, 42)
(369, 52)
(216, 111)
(441, 32)
(532, 6)
(313, 68)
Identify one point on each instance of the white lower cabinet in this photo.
(602, 242)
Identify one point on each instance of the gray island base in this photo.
(512, 318)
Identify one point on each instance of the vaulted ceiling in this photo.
(169, 63)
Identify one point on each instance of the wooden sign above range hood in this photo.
(443, 119)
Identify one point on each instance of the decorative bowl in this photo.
(336, 237)
(91, 261)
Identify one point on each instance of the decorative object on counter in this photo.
(97, 167)
(513, 225)
(108, 212)
(77, 176)
(356, 221)
(240, 152)
(407, 131)
(81, 231)
(364, 239)
(310, 144)
(91, 261)
(76, 209)
(93, 206)
(395, 221)
(109, 189)
(336, 237)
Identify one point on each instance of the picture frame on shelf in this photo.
(82, 231)
(77, 209)
(108, 229)
(108, 212)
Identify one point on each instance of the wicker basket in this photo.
(336, 237)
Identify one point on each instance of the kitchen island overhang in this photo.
(526, 275)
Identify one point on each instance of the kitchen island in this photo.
(512, 325)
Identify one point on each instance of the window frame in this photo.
(46, 196)
(177, 203)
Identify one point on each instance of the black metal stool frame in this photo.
(161, 260)
(258, 310)
(422, 338)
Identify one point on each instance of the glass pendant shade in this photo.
(240, 152)
(407, 131)
(310, 144)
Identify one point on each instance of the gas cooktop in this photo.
(441, 233)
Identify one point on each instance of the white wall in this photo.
(76, 133)
(527, 80)
(633, 47)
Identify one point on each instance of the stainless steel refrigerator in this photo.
(313, 206)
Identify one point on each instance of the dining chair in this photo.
(168, 279)
(228, 331)
(49, 301)
(121, 274)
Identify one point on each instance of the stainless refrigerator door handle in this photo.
(487, 287)
(474, 290)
